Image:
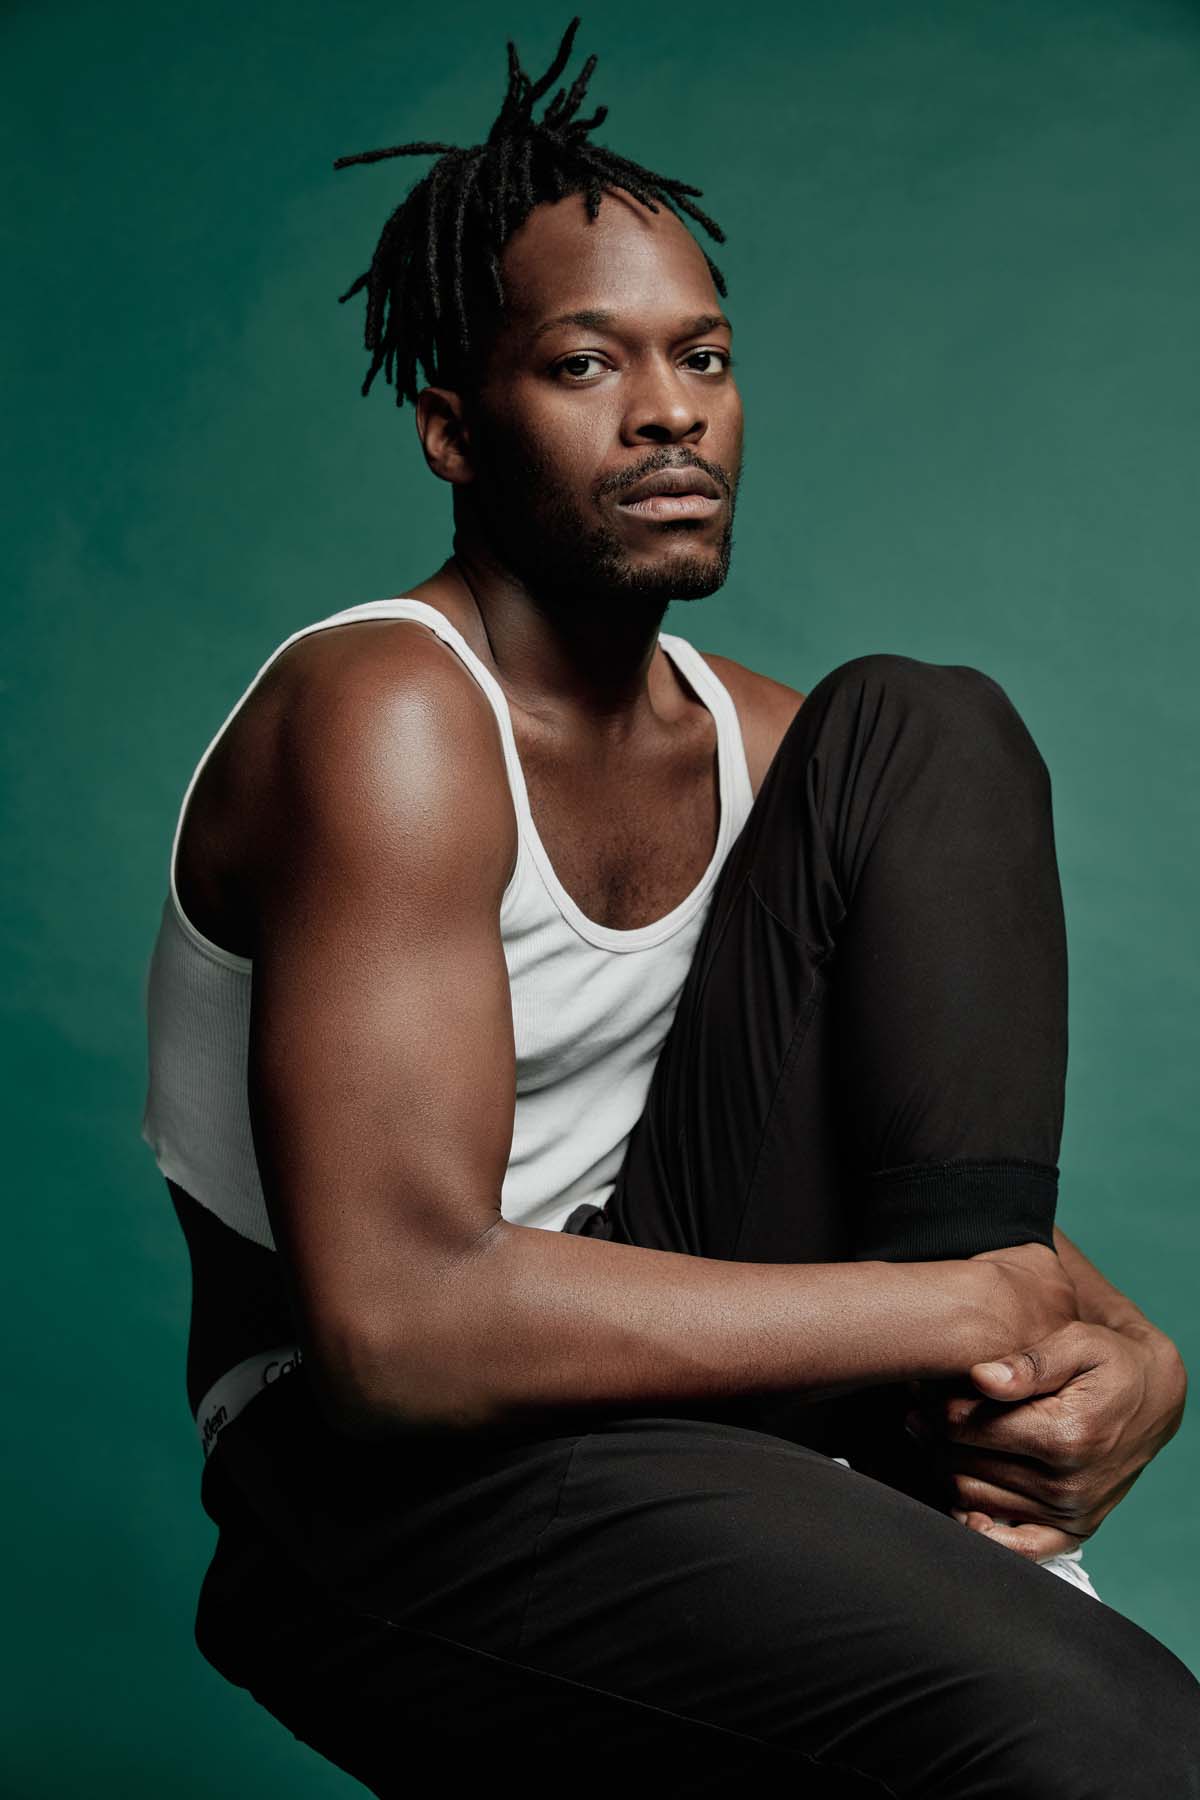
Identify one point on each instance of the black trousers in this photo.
(868, 1060)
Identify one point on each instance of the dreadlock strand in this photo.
(553, 170)
(600, 168)
(382, 263)
(493, 263)
(465, 187)
(354, 288)
(718, 278)
(581, 127)
(710, 225)
(549, 119)
(666, 183)
(526, 198)
(438, 176)
(557, 66)
(578, 89)
(668, 189)
(370, 156)
(372, 372)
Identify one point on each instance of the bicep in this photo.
(381, 1067)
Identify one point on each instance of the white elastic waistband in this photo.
(233, 1391)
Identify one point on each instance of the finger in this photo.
(1035, 1542)
(1007, 1471)
(969, 1493)
(1035, 1429)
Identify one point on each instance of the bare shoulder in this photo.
(765, 709)
(372, 733)
(385, 691)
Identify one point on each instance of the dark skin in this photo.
(560, 590)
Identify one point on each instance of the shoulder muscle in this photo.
(378, 751)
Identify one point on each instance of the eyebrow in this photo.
(599, 320)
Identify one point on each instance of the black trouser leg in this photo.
(869, 1054)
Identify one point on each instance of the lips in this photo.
(687, 493)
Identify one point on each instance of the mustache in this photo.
(630, 477)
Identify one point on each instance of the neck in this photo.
(555, 657)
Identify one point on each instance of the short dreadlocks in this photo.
(436, 268)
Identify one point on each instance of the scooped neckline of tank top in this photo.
(640, 937)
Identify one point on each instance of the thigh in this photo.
(375, 1603)
(696, 1604)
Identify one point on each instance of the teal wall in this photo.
(962, 264)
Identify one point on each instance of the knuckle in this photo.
(1059, 1444)
(1069, 1487)
(1074, 1448)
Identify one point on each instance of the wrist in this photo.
(1162, 1349)
(981, 1327)
(1166, 1370)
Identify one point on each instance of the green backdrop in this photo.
(962, 266)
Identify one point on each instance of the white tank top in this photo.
(591, 1004)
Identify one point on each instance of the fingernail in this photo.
(960, 1516)
(996, 1371)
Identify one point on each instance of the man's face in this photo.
(574, 413)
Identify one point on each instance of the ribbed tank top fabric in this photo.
(591, 1004)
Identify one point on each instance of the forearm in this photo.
(539, 1321)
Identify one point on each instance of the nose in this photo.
(664, 407)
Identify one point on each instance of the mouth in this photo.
(672, 506)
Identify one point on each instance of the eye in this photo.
(725, 355)
(580, 356)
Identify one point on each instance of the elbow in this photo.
(371, 1388)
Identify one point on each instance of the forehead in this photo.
(627, 260)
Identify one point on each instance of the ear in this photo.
(445, 434)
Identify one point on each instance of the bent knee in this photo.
(953, 709)
(955, 692)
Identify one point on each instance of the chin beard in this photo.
(686, 575)
(579, 567)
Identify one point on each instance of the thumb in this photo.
(1043, 1368)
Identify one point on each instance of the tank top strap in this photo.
(730, 743)
(405, 608)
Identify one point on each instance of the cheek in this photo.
(553, 461)
(733, 422)
(568, 437)
(544, 448)
(561, 422)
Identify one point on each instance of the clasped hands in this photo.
(1052, 1436)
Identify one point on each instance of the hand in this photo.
(1058, 1445)
(1028, 1292)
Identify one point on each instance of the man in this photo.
(748, 1005)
